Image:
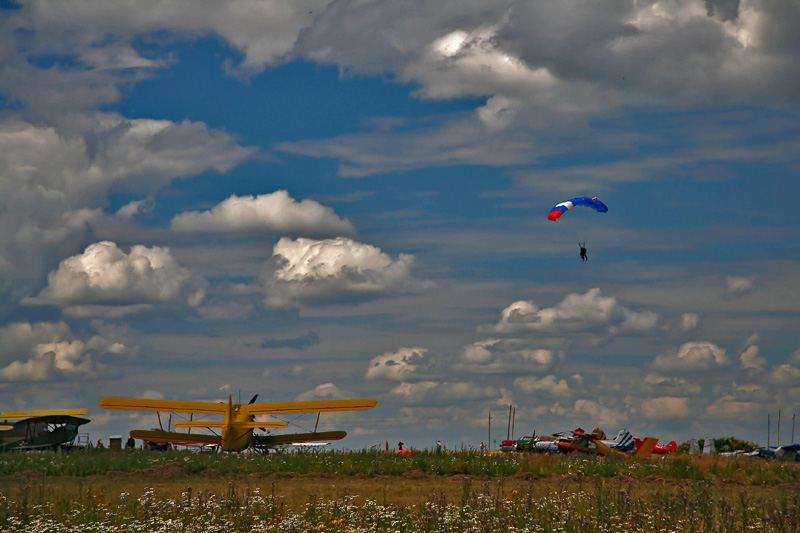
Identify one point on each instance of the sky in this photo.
(312, 199)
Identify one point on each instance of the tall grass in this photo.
(498, 492)
(594, 507)
(747, 470)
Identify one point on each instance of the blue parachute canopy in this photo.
(562, 208)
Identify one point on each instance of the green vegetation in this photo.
(373, 491)
(747, 470)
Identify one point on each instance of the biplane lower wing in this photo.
(173, 406)
(295, 438)
(175, 437)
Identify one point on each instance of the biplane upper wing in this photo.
(175, 406)
(220, 424)
(295, 438)
(19, 415)
(316, 406)
(31, 421)
(175, 437)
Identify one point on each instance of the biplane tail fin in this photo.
(708, 446)
(624, 441)
(646, 449)
(694, 447)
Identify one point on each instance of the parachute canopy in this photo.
(562, 208)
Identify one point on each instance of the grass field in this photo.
(373, 491)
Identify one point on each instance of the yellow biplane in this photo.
(236, 428)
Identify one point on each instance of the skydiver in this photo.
(583, 251)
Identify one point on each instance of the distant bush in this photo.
(723, 445)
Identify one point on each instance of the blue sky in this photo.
(313, 200)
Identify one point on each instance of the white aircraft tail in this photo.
(708, 446)
(623, 441)
(694, 447)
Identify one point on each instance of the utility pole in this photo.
(767, 430)
(508, 429)
(513, 421)
(779, 428)
(489, 440)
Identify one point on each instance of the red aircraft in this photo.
(658, 449)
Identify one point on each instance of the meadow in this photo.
(103, 490)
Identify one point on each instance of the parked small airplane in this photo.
(549, 443)
(236, 428)
(590, 443)
(42, 429)
(787, 452)
(659, 449)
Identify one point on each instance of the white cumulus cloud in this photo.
(600, 414)
(785, 374)
(325, 391)
(546, 386)
(443, 392)
(665, 407)
(55, 180)
(44, 351)
(739, 285)
(400, 365)
(577, 312)
(750, 358)
(334, 269)
(276, 212)
(692, 357)
(105, 274)
(689, 321)
(497, 356)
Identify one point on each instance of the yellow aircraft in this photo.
(236, 428)
(593, 444)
